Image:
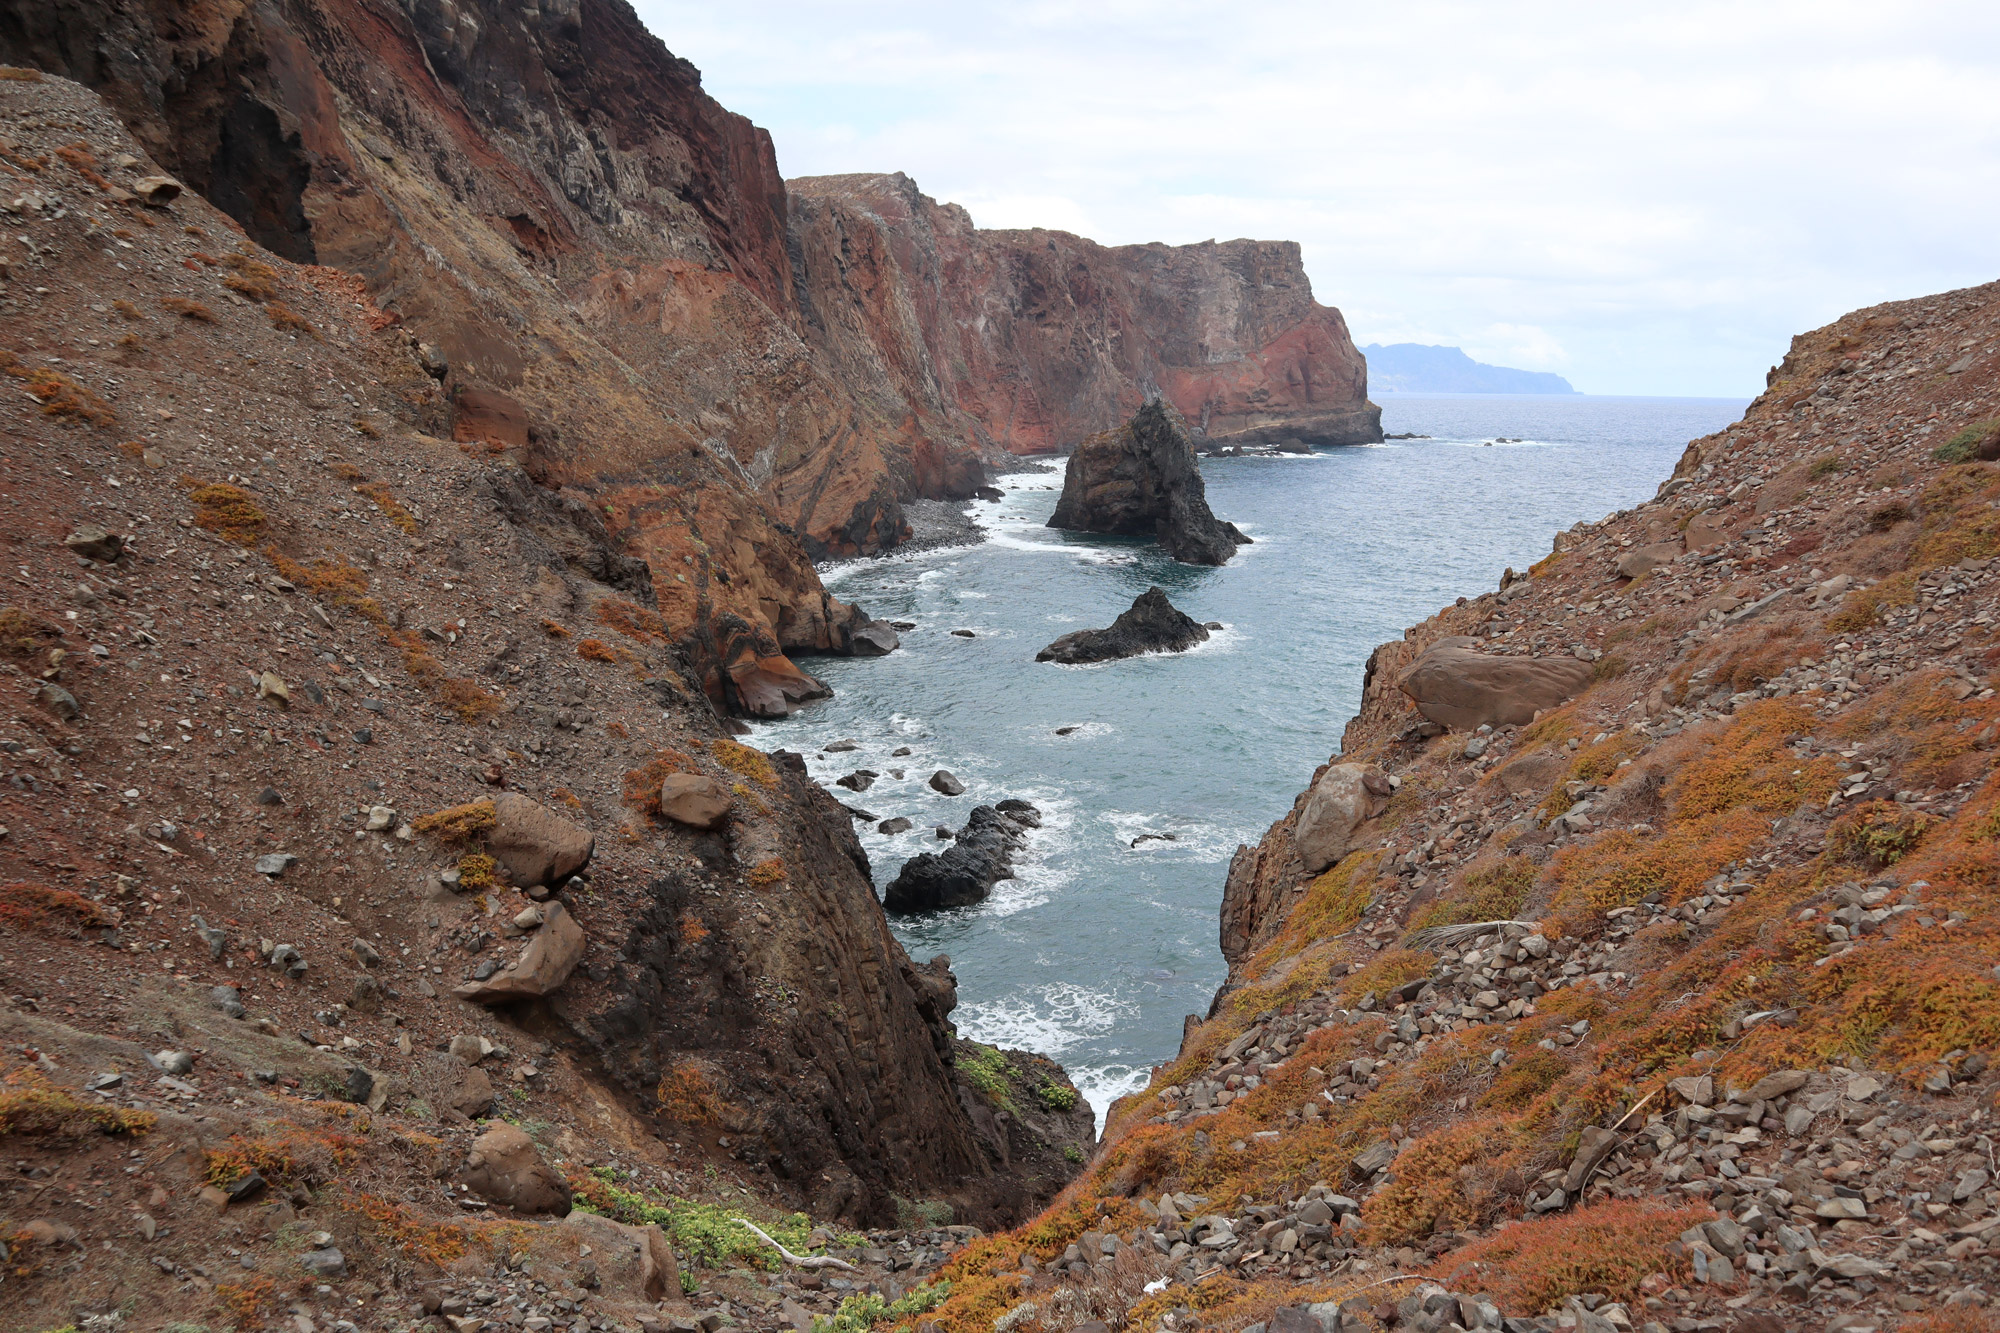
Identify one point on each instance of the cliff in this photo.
(1630, 965)
(619, 293)
(1032, 340)
(356, 791)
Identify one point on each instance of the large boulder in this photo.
(552, 954)
(1464, 689)
(537, 845)
(694, 799)
(505, 1167)
(1345, 798)
(1140, 480)
(635, 1265)
(1151, 625)
(981, 855)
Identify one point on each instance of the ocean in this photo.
(1098, 948)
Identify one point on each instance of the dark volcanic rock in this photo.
(1151, 625)
(1140, 480)
(981, 855)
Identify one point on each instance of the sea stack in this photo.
(1151, 625)
(1140, 480)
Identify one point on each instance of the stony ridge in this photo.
(1669, 1007)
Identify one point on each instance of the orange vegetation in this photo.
(458, 823)
(1608, 1247)
(25, 906)
(31, 1104)
(228, 512)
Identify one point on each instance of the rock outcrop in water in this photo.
(1152, 625)
(1141, 480)
(981, 855)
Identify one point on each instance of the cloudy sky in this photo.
(1646, 198)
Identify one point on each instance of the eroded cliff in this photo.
(1033, 340)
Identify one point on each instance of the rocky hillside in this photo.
(376, 881)
(1033, 340)
(616, 291)
(1634, 964)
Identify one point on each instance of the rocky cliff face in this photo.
(1033, 340)
(1647, 901)
(619, 294)
(336, 756)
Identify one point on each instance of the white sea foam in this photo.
(1102, 1085)
(1049, 1019)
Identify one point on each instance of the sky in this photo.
(1644, 198)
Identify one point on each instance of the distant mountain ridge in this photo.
(1420, 368)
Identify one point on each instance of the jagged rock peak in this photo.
(1141, 480)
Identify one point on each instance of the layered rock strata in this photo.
(1141, 480)
(1033, 340)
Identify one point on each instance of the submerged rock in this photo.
(1151, 625)
(981, 855)
(1140, 480)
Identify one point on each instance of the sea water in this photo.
(1101, 944)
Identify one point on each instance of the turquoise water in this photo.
(1097, 950)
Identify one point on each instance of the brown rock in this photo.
(1595, 1145)
(1645, 559)
(474, 1095)
(506, 1168)
(1532, 774)
(543, 966)
(1141, 481)
(1704, 530)
(634, 1264)
(156, 191)
(1345, 798)
(1776, 1085)
(1463, 689)
(692, 799)
(537, 845)
(42, 1231)
(487, 416)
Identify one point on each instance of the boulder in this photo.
(1151, 625)
(981, 855)
(95, 543)
(943, 783)
(1704, 530)
(1141, 480)
(1345, 798)
(692, 799)
(1463, 689)
(506, 1168)
(634, 1264)
(874, 639)
(156, 191)
(473, 1097)
(543, 966)
(1642, 560)
(537, 845)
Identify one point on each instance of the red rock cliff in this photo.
(1032, 340)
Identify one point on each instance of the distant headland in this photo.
(1418, 368)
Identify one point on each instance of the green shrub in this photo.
(1980, 440)
(858, 1314)
(1056, 1097)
